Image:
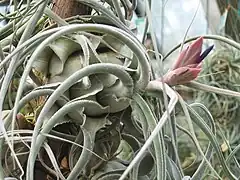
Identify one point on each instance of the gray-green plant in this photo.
(86, 82)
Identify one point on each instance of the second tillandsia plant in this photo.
(78, 99)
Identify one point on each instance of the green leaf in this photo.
(63, 48)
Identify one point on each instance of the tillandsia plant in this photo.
(79, 100)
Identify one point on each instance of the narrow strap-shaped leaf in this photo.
(157, 142)
(199, 173)
(173, 169)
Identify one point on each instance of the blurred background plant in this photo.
(221, 70)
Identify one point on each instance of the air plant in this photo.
(95, 99)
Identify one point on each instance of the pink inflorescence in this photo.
(188, 64)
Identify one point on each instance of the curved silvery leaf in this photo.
(115, 97)
(115, 104)
(128, 59)
(77, 115)
(96, 109)
(5, 113)
(135, 66)
(74, 62)
(114, 58)
(82, 41)
(62, 102)
(93, 109)
(42, 61)
(110, 57)
(126, 51)
(89, 134)
(63, 47)
(95, 161)
(106, 144)
(118, 89)
(107, 56)
(111, 175)
(80, 90)
(52, 111)
(125, 151)
(118, 45)
(98, 42)
(94, 56)
(106, 79)
(132, 141)
(146, 164)
(186, 178)
(173, 169)
(127, 118)
(48, 86)
(20, 149)
(55, 66)
(115, 140)
(143, 178)
(95, 41)
(112, 167)
(134, 62)
(138, 122)
(75, 151)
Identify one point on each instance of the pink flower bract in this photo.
(188, 64)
